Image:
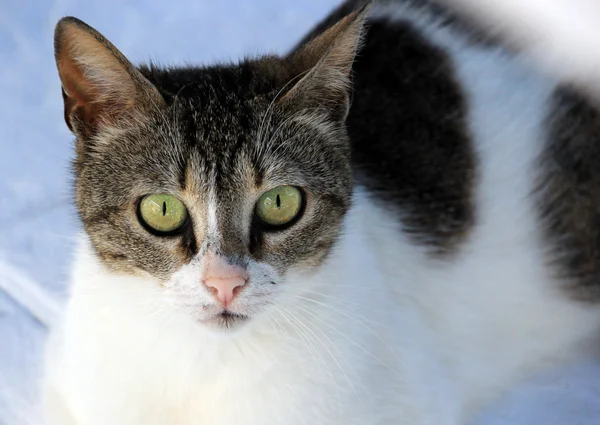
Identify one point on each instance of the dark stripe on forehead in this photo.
(259, 174)
(183, 171)
(243, 132)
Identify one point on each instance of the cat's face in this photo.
(216, 183)
(215, 172)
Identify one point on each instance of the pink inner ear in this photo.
(97, 85)
(73, 81)
(80, 92)
(101, 86)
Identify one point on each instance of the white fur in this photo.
(382, 334)
(185, 292)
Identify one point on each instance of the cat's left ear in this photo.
(326, 62)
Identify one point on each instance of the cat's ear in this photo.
(327, 62)
(100, 86)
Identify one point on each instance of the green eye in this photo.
(163, 213)
(279, 206)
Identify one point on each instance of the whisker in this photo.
(336, 285)
(332, 356)
(331, 297)
(342, 302)
(274, 322)
(71, 238)
(381, 362)
(345, 313)
(276, 134)
(322, 365)
(303, 337)
(280, 128)
(261, 128)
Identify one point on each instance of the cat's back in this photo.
(472, 146)
(486, 165)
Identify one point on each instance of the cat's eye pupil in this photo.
(164, 208)
(279, 206)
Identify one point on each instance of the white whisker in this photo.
(299, 319)
(322, 365)
(305, 340)
(268, 112)
(374, 357)
(332, 357)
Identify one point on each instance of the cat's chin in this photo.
(226, 321)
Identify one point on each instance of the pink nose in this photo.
(225, 280)
(226, 287)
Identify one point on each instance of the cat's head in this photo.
(214, 183)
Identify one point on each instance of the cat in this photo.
(391, 224)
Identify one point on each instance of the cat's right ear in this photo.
(326, 63)
(100, 86)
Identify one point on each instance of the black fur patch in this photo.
(569, 192)
(408, 131)
(410, 144)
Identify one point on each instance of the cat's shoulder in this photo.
(426, 79)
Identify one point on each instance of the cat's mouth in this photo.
(228, 320)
